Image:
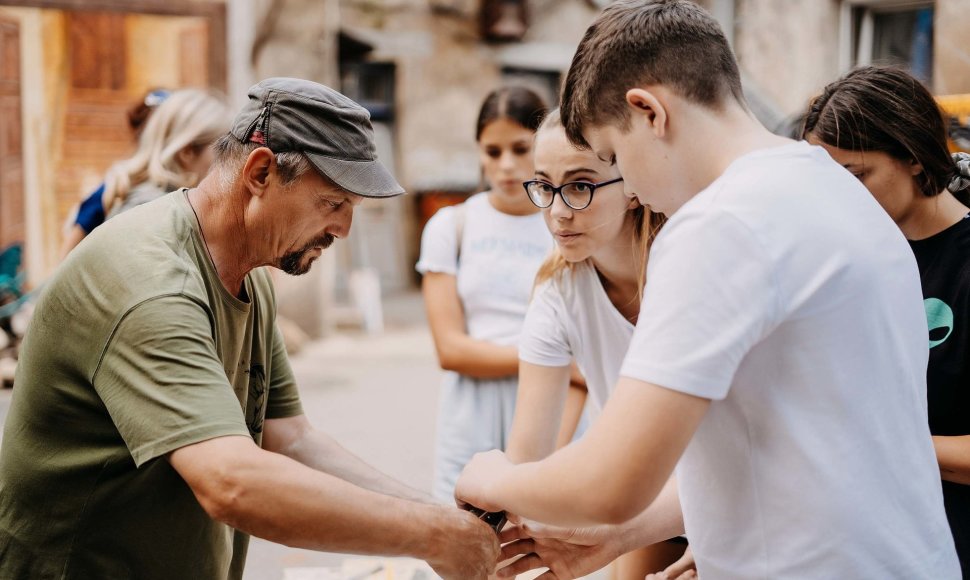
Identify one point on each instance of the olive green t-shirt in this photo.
(135, 349)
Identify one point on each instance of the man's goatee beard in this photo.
(293, 262)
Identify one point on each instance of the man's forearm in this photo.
(319, 451)
(276, 498)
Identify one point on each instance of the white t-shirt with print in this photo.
(500, 255)
(788, 297)
(570, 317)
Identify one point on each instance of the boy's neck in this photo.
(721, 138)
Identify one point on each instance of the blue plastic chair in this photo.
(12, 277)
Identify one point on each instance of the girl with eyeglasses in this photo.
(479, 260)
(586, 302)
(884, 127)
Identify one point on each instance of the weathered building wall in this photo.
(787, 49)
(951, 46)
(444, 70)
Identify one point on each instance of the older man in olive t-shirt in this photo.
(156, 422)
(137, 349)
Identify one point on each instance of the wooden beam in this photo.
(163, 7)
(215, 12)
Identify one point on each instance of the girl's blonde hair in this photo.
(188, 118)
(646, 226)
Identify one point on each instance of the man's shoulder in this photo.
(136, 256)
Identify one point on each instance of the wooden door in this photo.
(114, 57)
(12, 218)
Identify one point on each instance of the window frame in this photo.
(857, 51)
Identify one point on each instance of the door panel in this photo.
(12, 217)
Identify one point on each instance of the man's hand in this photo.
(567, 552)
(473, 484)
(464, 547)
(683, 569)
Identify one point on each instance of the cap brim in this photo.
(365, 178)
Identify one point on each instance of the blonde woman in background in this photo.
(174, 150)
(586, 304)
(89, 213)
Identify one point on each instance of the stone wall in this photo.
(951, 72)
(787, 49)
(444, 70)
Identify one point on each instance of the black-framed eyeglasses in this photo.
(576, 194)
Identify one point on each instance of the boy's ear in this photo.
(646, 103)
(259, 171)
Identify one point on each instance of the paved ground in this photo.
(377, 396)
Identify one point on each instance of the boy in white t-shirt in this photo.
(780, 354)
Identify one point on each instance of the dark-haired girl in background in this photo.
(886, 128)
(479, 261)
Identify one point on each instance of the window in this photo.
(889, 32)
(372, 85)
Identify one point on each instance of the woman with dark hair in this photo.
(479, 261)
(884, 126)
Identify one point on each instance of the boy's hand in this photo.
(567, 552)
(475, 483)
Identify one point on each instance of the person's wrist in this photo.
(440, 523)
(622, 539)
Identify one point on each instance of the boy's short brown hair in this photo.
(635, 43)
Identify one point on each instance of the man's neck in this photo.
(223, 233)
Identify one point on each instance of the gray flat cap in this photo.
(333, 131)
